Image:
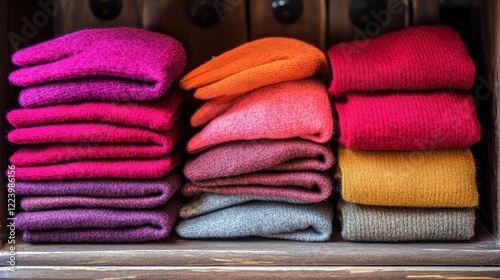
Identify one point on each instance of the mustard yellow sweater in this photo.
(438, 178)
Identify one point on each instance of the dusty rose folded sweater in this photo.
(242, 157)
(302, 185)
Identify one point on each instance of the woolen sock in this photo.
(153, 168)
(242, 157)
(400, 224)
(117, 194)
(438, 178)
(89, 141)
(419, 58)
(299, 222)
(292, 109)
(254, 65)
(208, 202)
(423, 121)
(114, 64)
(159, 115)
(307, 186)
(98, 225)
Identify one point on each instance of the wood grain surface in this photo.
(426, 12)
(483, 250)
(201, 43)
(341, 28)
(485, 19)
(252, 273)
(75, 15)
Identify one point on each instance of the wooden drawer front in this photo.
(201, 43)
(310, 27)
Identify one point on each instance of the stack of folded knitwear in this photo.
(406, 121)
(98, 130)
(259, 162)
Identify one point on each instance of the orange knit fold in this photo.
(437, 178)
(254, 65)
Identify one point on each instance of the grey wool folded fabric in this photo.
(365, 223)
(232, 216)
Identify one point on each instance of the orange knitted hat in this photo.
(254, 65)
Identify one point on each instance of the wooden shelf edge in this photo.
(482, 251)
(241, 272)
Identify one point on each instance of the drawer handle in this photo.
(361, 11)
(106, 9)
(287, 11)
(204, 13)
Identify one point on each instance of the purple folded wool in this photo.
(242, 157)
(98, 225)
(115, 64)
(117, 194)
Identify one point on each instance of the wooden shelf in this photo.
(482, 251)
(256, 258)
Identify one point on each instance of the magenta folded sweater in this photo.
(408, 120)
(77, 142)
(114, 64)
(159, 115)
(154, 168)
(95, 130)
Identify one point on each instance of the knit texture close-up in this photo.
(286, 110)
(254, 65)
(364, 223)
(408, 121)
(113, 64)
(412, 59)
(438, 178)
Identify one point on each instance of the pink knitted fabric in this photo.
(242, 157)
(304, 186)
(89, 141)
(118, 64)
(122, 169)
(285, 110)
(415, 58)
(157, 115)
(210, 110)
(408, 121)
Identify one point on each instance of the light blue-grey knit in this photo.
(231, 216)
